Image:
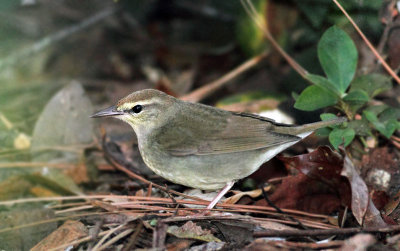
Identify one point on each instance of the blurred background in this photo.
(60, 60)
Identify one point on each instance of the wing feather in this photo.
(223, 132)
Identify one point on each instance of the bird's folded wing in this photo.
(236, 133)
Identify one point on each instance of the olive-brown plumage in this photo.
(202, 146)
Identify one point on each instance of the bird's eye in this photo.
(137, 108)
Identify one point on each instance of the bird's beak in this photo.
(108, 112)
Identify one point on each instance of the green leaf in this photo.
(372, 84)
(327, 116)
(391, 126)
(361, 127)
(356, 96)
(389, 113)
(341, 136)
(323, 132)
(295, 95)
(386, 128)
(315, 97)
(338, 56)
(377, 109)
(323, 82)
(355, 100)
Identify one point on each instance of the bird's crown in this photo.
(143, 97)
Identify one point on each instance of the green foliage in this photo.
(315, 97)
(386, 121)
(372, 84)
(338, 57)
(341, 136)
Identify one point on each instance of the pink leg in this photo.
(224, 190)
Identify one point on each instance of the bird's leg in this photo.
(224, 190)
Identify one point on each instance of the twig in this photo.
(159, 235)
(325, 232)
(259, 21)
(95, 232)
(149, 190)
(368, 43)
(306, 245)
(115, 239)
(209, 88)
(156, 200)
(47, 41)
(97, 246)
(132, 240)
(35, 164)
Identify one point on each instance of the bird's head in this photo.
(142, 110)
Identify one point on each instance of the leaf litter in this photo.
(317, 191)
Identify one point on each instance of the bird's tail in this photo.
(309, 128)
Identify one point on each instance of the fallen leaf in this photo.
(391, 205)
(70, 231)
(63, 123)
(361, 203)
(359, 191)
(192, 231)
(300, 192)
(340, 174)
(358, 242)
(214, 246)
(253, 194)
(262, 244)
(322, 164)
(180, 244)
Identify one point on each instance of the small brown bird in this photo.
(202, 146)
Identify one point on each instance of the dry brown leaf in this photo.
(192, 231)
(361, 203)
(69, 231)
(253, 194)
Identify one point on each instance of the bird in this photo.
(202, 146)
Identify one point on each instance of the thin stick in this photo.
(155, 200)
(326, 232)
(307, 245)
(132, 240)
(102, 240)
(371, 47)
(115, 239)
(35, 164)
(209, 88)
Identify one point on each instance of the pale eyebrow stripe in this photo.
(128, 106)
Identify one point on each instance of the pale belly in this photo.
(209, 172)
